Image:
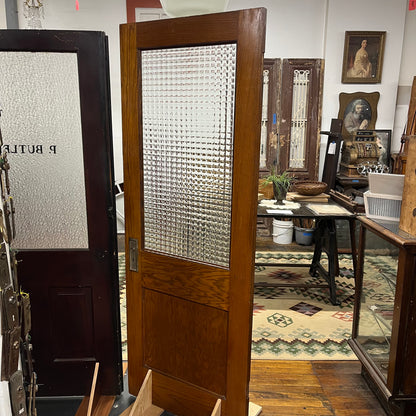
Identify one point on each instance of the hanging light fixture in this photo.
(178, 8)
(33, 12)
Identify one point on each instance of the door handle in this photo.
(134, 254)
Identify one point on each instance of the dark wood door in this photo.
(73, 286)
(300, 117)
(191, 131)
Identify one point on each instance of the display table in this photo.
(325, 215)
(384, 325)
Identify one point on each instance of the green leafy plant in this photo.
(281, 183)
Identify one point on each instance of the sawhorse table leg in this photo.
(325, 229)
(326, 240)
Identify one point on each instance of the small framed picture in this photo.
(383, 138)
(358, 110)
(363, 57)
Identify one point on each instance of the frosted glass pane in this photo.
(41, 126)
(188, 120)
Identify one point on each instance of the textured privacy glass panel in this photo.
(188, 120)
(41, 126)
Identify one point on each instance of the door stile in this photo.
(244, 214)
(132, 189)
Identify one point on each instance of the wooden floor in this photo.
(287, 388)
(312, 388)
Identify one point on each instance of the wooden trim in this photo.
(358, 281)
(367, 364)
(388, 235)
(246, 152)
(132, 182)
(411, 129)
(273, 120)
(409, 358)
(220, 28)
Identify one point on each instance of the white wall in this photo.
(295, 29)
(3, 24)
(374, 15)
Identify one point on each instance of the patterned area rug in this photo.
(294, 323)
(291, 323)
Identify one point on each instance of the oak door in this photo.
(57, 131)
(191, 95)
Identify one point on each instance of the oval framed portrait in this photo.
(358, 111)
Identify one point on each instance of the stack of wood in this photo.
(294, 196)
(347, 202)
(304, 222)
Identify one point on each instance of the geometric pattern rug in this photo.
(291, 323)
(297, 323)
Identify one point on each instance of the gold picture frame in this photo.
(354, 117)
(363, 57)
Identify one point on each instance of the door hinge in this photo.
(134, 253)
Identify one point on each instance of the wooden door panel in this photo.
(79, 301)
(313, 104)
(189, 301)
(73, 288)
(181, 398)
(194, 336)
(192, 281)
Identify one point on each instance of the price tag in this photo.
(332, 146)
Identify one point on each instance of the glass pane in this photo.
(377, 300)
(188, 99)
(41, 126)
(300, 96)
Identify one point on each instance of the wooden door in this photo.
(57, 131)
(300, 117)
(191, 135)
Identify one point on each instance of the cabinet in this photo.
(384, 326)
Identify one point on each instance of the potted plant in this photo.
(281, 183)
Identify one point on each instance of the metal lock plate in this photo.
(17, 394)
(10, 309)
(4, 268)
(27, 317)
(133, 254)
(10, 353)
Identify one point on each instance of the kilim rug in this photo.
(293, 323)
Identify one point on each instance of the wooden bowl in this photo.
(309, 187)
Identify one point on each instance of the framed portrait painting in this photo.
(363, 57)
(358, 110)
(383, 139)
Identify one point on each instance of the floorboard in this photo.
(287, 388)
(313, 388)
